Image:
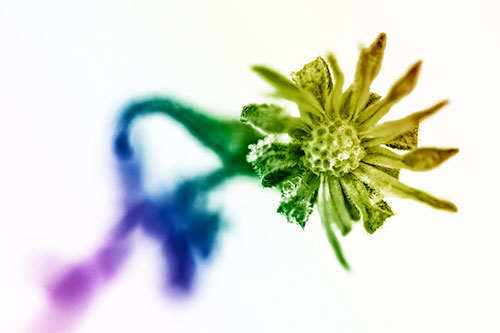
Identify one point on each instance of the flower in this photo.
(336, 154)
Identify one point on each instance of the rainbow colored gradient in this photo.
(179, 218)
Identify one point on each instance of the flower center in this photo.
(334, 148)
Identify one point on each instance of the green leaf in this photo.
(273, 161)
(288, 90)
(268, 117)
(315, 78)
(271, 118)
(297, 198)
(390, 185)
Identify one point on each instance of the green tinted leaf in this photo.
(315, 78)
(273, 161)
(297, 198)
(268, 117)
(271, 118)
(285, 88)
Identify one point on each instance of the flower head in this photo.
(336, 154)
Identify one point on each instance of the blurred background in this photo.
(68, 68)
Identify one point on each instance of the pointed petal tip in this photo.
(415, 68)
(346, 266)
(443, 103)
(455, 209)
(257, 68)
(435, 108)
(452, 152)
(381, 39)
(449, 206)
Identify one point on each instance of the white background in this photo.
(66, 69)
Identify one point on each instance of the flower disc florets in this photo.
(333, 148)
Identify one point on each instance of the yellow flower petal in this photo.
(328, 215)
(370, 116)
(332, 197)
(424, 159)
(389, 130)
(391, 185)
(421, 159)
(336, 93)
(369, 63)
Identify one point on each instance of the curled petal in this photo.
(336, 93)
(371, 115)
(329, 215)
(388, 131)
(406, 84)
(369, 63)
(391, 185)
(285, 88)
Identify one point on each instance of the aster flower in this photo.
(336, 155)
